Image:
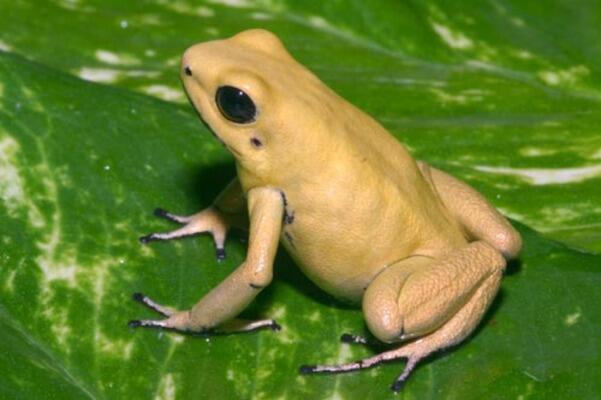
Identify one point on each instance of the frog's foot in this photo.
(180, 321)
(208, 220)
(403, 352)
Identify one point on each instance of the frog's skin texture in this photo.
(421, 251)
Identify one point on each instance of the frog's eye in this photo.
(235, 105)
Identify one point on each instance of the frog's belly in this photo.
(340, 261)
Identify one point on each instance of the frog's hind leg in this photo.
(477, 216)
(451, 332)
(429, 304)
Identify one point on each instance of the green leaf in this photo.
(503, 94)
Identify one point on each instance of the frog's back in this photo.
(392, 171)
(364, 207)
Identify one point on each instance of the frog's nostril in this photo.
(188, 71)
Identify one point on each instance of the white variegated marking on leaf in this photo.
(104, 75)
(454, 39)
(54, 264)
(11, 184)
(517, 21)
(260, 16)
(59, 324)
(99, 274)
(445, 97)
(513, 214)
(337, 395)
(212, 31)
(150, 20)
(315, 316)
(136, 73)
(573, 318)
(63, 270)
(532, 376)
(319, 22)
(546, 176)
(164, 92)
(279, 312)
(523, 54)
(234, 3)
(345, 355)
(109, 57)
(265, 373)
(12, 190)
(115, 348)
(179, 339)
(57, 259)
(204, 11)
(395, 80)
(173, 61)
(8, 283)
(536, 151)
(5, 46)
(75, 5)
(560, 215)
(286, 336)
(185, 8)
(568, 76)
(167, 388)
(147, 251)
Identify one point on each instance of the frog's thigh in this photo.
(417, 295)
(481, 220)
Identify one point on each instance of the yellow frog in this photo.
(421, 251)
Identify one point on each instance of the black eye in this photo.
(235, 105)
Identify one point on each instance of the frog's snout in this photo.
(187, 62)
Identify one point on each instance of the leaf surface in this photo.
(82, 165)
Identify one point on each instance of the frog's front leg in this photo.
(433, 303)
(218, 308)
(228, 210)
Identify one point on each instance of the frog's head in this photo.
(262, 104)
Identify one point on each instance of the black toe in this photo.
(134, 323)
(138, 296)
(147, 238)
(347, 338)
(220, 253)
(397, 386)
(306, 369)
(159, 212)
